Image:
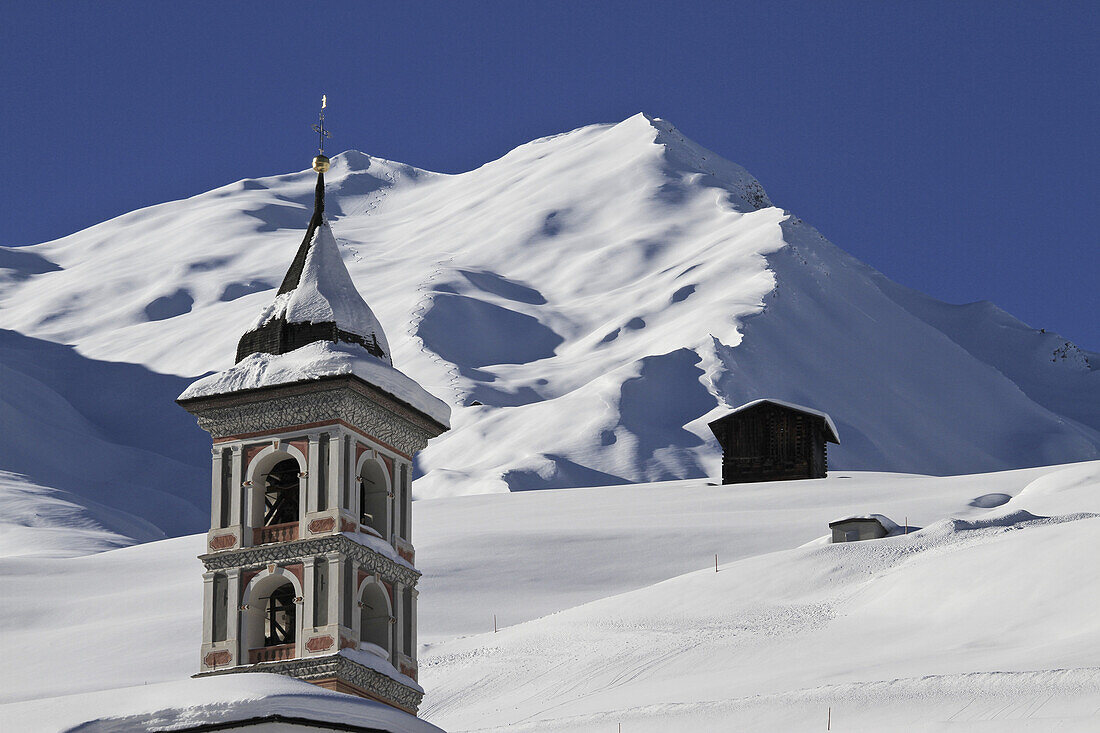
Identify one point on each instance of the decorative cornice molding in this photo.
(371, 561)
(344, 397)
(340, 667)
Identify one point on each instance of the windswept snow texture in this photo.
(585, 304)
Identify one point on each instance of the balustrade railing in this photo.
(271, 653)
(275, 533)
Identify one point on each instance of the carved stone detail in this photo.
(300, 550)
(320, 643)
(218, 659)
(340, 667)
(405, 432)
(223, 542)
(320, 526)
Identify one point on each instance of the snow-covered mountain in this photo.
(586, 304)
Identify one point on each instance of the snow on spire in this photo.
(317, 300)
(325, 293)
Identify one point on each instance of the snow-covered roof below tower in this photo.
(223, 700)
(325, 293)
(801, 408)
(314, 361)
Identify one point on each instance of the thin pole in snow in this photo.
(494, 623)
(716, 563)
(829, 723)
(907, 525)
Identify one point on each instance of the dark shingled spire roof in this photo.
(294, 274)
(317, 300)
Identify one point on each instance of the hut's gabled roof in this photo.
(317, 300)
(831, 434)
(884, 521)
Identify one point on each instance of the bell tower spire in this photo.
(317, 300)
(321, 163)
(310, 568)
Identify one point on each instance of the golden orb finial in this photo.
(321, 163)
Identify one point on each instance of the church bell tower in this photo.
(310, 567)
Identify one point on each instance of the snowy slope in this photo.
(100, 447)
(984, 617)
(475, 552)
(602, 293)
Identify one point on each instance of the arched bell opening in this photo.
(281, 487)
(280, 617)
(374, 500)
(270, 622)
(276, 495)
(374, 620)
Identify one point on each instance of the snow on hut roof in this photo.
(888, 524)
(834, 437)
(314, 361)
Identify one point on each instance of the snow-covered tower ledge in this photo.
(310, 570)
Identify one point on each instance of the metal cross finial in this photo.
(319, 128)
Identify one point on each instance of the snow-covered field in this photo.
(610, 611)
(984, 617)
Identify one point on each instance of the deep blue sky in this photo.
(953, 146)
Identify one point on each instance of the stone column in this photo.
(238, 507)
(352, 594)
(310, 487)
(308, 584)
(398, 626)
(208, 607)
(233, 616)
(395, 489)
(412, 627)
(335, 582)
(391, 502)
(215, 488)
(406, 505)
(335, 475)
(352, 484)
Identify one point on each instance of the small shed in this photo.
(772, 440)
(864, 527)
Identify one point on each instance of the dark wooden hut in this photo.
(866, 527)
(771, 440)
